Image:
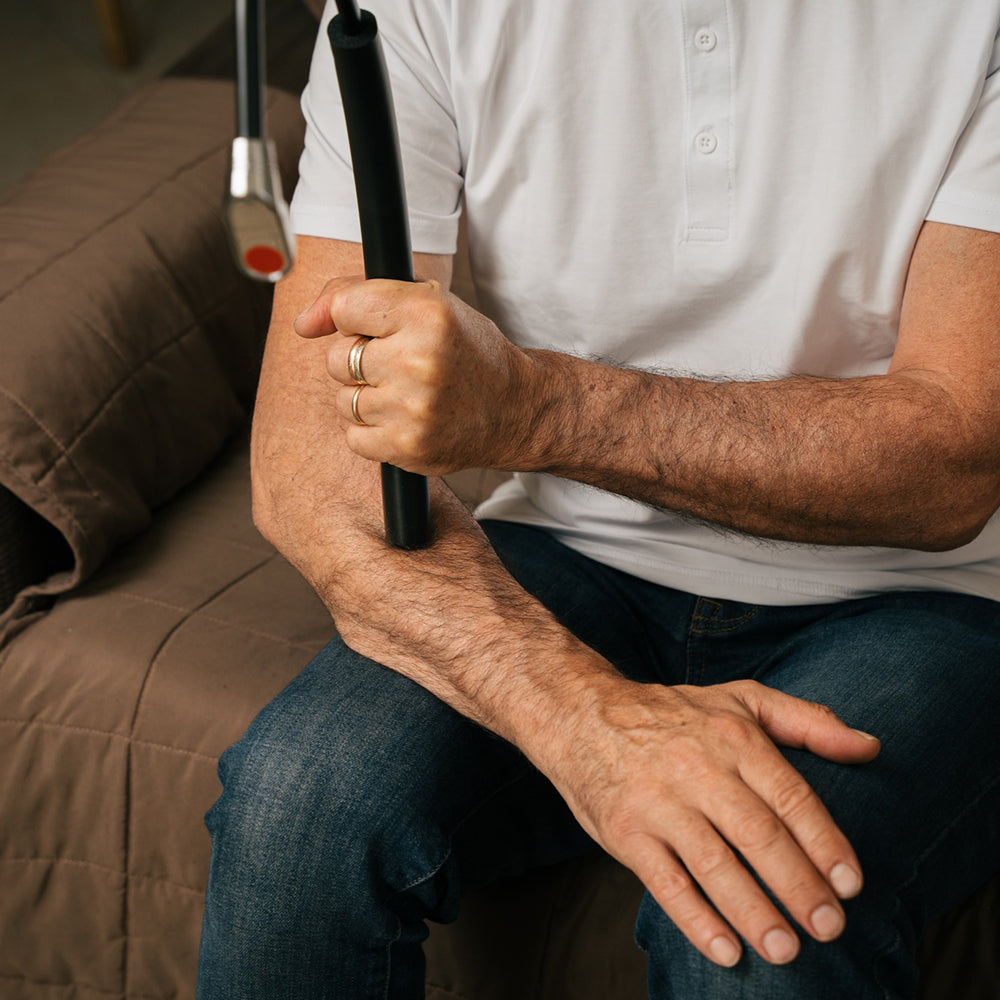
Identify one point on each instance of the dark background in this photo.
(57, 78)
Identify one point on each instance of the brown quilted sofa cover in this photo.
(127, 354)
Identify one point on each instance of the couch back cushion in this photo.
(129, 343)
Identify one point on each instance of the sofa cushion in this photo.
(130, 343)
(115, 707)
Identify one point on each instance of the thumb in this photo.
(316, 321)
(806, 725)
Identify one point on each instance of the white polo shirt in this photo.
(729, 189)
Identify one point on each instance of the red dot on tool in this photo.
(264, 259)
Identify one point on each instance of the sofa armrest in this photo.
(131, 343)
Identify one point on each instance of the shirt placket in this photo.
(708, 124)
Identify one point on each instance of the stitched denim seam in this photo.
(437, 867)
(721, 626)
(894, 944)
(707, 625)
(696, 674)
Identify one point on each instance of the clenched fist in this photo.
(445, 390)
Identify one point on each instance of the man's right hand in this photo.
(673, 781)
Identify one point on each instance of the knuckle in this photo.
(411, 444)
(711, 862)
(436, 373)
(415, 449)
(745, 688)
(434, 313)
(824, 710)
(331, 287)
(338, 298)
(749, 693)
(792, 798)
(670, 884)
(342, 401)
(355, 440)
(757, 831)
(625, 822)
(427, 368)
(803, 889)
(421, 414)
(736, 731)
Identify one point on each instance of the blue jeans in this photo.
(358, 805)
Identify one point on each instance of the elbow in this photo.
(952, 491)
(951, 524)
(944, 540)
(948, 538)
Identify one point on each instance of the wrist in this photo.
(551, 714)
(539, 426)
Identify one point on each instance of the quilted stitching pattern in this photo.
(111, 743)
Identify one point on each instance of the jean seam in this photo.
(388, 958)
(696, 674)
(705, 626)
(723, 625)
(439, 865)
(891, 946)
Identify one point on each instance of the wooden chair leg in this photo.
(116, 30)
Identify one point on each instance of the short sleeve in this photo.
(415, 40)
(969, 194)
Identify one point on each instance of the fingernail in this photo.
(845, 880)
(779, 946)
(867, 736)
(827, 922)
(724, 951)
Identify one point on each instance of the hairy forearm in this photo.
(909, 459)
(451, 617)
(864, 461)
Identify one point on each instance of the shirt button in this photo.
(705, 142)
(705, 39)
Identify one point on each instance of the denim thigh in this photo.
(922, 672)
(358, 804)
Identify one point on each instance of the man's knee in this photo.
(317, 786)
(281, 796)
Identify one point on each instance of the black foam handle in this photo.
(385, 230)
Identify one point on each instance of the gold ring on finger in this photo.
(354, 405)
(354, 360)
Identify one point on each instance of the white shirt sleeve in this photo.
(969, 194)
(415, 44)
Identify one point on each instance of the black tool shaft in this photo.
(385, 231)
(250, 63)
(350, 17)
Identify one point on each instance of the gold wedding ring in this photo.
(354, 361)
(354, 405)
